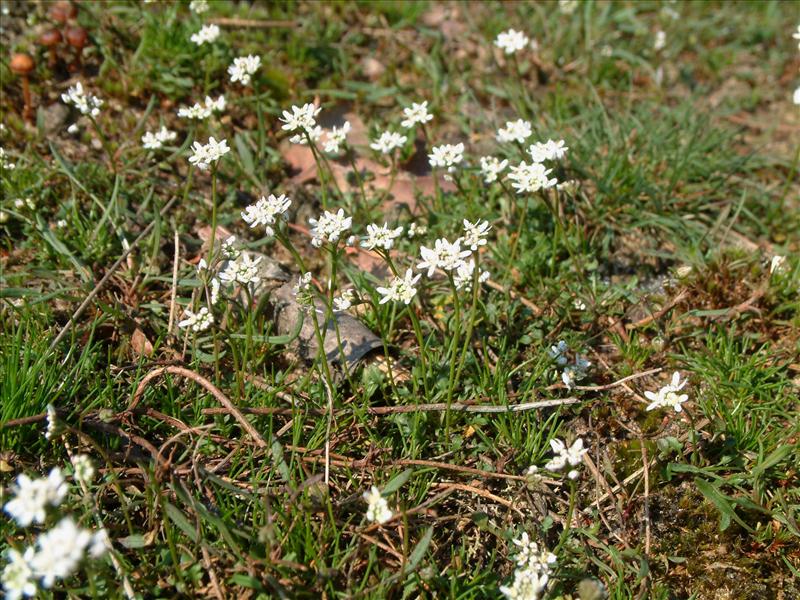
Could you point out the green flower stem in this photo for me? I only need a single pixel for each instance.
(472, 317)
(452, 353)
(573, 493)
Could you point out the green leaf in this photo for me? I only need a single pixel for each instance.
(723, 504)
(773, 459)
(419, 550)
(181, 521)
(397, 482)
(246, 581)
(244, 154)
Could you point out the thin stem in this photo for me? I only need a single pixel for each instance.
(451, 353)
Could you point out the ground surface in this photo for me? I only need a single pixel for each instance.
(685, 161)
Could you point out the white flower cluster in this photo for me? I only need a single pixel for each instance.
(563, 456)
(414, 114)
(208, 34)
(491, 167)
(203, 111)
(549, 150)
(514, 132)
(377, 507)
(668, 395)
(58, 551)
(154, 141)
(388, 141)
(266, 211)
(85, 102)
(243, 271)
(198, 6)
(572, 372)
(444, 255)
(207, 154)
(511, 41)
(329, 227)
(530, 177)
(336, 137)
(302, 118)
(534, 567)
(381, 236)
(401, 289)
(243, 68)
(197, 321)
(446, 156)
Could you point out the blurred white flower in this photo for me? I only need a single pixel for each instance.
(388, 141)
(529, 556)
(336, 137)
(446, 156)
(511, 41)
(243, 270)
(380, 236)
(475, 233)
(344, 301)
(86, 103)
(491, 167)
(265, 212)
(377, 507)
(559, 352)
(527, 585)
(207, 34)
(416, 113)
(199, 321)
(415, 230)
(243, 68)
(668, 395)
(206, 154)
(18, 577)
(796, 96)
(567, 7)
(84, 469)
(660, 40)
(100, 544)
(575, 372)
(329, 227)
(301, 118)
(154, 141)
(777, 264)
(314, 134)
(514, 131)
(32, 496)
(401, 289)
(530, 178)
(52, 422)
(198, 6)
(59, 551)
(564, 455)
(549, 150)
(462, 278)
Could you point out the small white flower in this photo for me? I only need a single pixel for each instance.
(463, 276)
(336, 137)
(84, 469)
(243, 68)
(207, 34)
(344, 301)
(266, 211)
(511, 41)
(304, 290)
(567, 7)
(32, 496)
(206, 154)
(197, 111)
(475, 233)
(446, 156)
(777, 264)
(660, 40)
(73, 129)
(491, 167)
(381, 236)
(416, 113)
(530, 178)
(796, 96)
(215, 285)
(530, 557)
(443, 255)
(315, 133)
(199, 321)
(154, 141)
(100, 543)
(59, 551)
(401, 289)
(549, 150)
(415, 230)
(559, 352)
(515, 131)
(217, 105)
(668, 395)
(575, 372)
(388, 141)
(301, 118)
(229, 249)
(86, 103)
(243, 270)
(52, 422)
(18, 577)
(4, 162)
(564, 456)
(527, 585)
(329, 227)
(377, 507)
(198, 6)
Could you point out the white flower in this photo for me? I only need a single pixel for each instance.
(84, 469)
(198, 6)
(100, 543)
(83, 101)
(575, 372)
(567, 7)
(377, 507)
(217, 105)
(199, 321)
(401, 289)
(229, 249)
(381, 236)
(563, 455)
(475, 233)
(796, 96)
(415, 230)
(462, 278)
(17, 576)
(315, 133)
(52, 422)
(59, 551)
(344, 301)
(530, 557)
(243, 68)
(31, 497)
(491, 168)
(198, 112)
(73, 129)
(549, 150)
(559, 352)
(530, 178)
(207, 34)
(336, 137)
(446, 156)
(301, 118)
(154, 141)
(511, 41)
(4, 162)
(329, 227)
(527, 585)
(514, 131)
(244, 271)
(214, 291)
(388, 141)
(443, 255)
(205, 155)
(777, 264)
(304, 291)
(668, 395)
(416, 113)
(660, 40)
(265, 211)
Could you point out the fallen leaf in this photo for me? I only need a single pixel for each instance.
(140, 345)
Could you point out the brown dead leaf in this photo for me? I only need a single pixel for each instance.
(140, 345)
